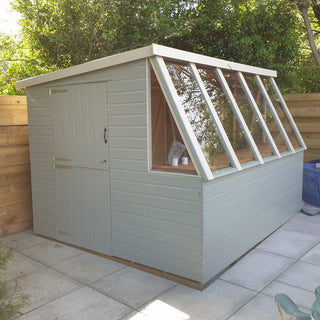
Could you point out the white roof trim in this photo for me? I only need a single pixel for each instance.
(141, 53)
(196, 58)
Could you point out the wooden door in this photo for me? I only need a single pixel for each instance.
(81, 165)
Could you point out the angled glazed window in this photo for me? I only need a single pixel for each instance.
(224, 120)
(281, 112)
(169, 152)
(266, 113)
(198, 115)
(227, 116)
(247, 111)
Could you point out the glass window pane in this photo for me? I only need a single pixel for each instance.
(226, 115)
(198, 115)
(167, 142)
(277, 104)
(266, 114)
(247, 112)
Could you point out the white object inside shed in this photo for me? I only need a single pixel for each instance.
(174, 160)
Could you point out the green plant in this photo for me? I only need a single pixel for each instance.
(11, 300)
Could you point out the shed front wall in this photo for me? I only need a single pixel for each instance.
(156, 217)
(242, 209)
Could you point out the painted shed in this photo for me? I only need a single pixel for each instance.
(166, 158)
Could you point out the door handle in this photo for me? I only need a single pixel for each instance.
(105, 136)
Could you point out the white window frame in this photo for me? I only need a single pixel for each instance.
(288, 114)
(180, 118)
(274, 113)
(258, 114)
(201, 165)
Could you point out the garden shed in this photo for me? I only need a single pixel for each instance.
(169, 159)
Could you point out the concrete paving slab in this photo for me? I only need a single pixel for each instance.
(133, 287)
(257, 269)
(83, 304)
(87, 267)
(51, 253)
(261, 307)
(289, 243)
(109, 290)
(302, 275)
(218, 301)
(313, 256)
(304, 223)
(18, 266)
(45, 286)
(137, 316)
(302, 298)
(23, 240)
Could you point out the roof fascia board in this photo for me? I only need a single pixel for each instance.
(90, 66)
(141, 53)
(196, 58)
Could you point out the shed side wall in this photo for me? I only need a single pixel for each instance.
(242, 209)
(156, 217)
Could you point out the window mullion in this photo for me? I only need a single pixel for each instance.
(215, 118)
(288, 114)
(180, 117)
(274, 113)
(239, 116)
(258, 114)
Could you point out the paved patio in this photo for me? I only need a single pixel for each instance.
(68, 284)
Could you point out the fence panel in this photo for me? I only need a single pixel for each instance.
(15, 182)
(305, 109)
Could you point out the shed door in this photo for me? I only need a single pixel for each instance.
(81, 165)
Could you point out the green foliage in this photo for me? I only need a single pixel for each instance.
(69, 32)
(263, 33)
(62, 33)
(11, 300)
(17, 61)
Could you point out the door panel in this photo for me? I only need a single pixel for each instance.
(82, 177)
(79, 124)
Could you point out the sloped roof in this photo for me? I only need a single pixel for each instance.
(141, 53)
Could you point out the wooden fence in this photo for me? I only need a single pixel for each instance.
(15, 185)
(305, 109)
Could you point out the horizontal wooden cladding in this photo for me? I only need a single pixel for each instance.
(156, 260)
(15, 181)
(15, 193)
(14, 174)
(264, 197)
(134, 84)
(312, 140)
(15, 217)
(306, 125)
(15, 155)
(13, 136)
(301, 98)
(15, 227)
(127, 97)
(176, 235)
(154, 244)
(13, 110)
(160, 214)
(305, 109)
(311, 154)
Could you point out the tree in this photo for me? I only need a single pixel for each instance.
(261, 33)
(17, 61)
(264, 33)
(304, 6)
(69, 32)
